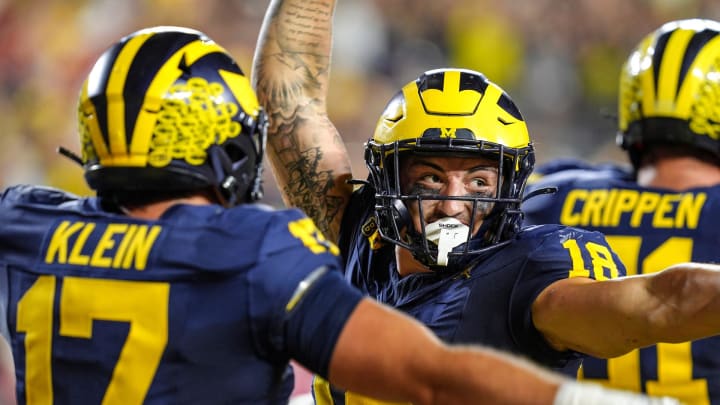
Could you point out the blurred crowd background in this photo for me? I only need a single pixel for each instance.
(558, 59)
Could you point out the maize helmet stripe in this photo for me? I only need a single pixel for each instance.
(114, 91)
(242, 90)
(668, 88)
(168, 109)
(704, 59)
(669, 70)
(452, 100)
(163, 56)
(166, 76)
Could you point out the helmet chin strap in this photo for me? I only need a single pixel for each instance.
(446, 233)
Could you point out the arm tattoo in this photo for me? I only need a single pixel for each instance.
(289, 80)
(309, 188)
(299, 40)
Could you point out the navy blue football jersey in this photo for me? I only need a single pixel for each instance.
(650, 229)
(488, 303)
(204, 306)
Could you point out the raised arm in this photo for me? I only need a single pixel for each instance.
(388, 355)
(290, 74)
(610, 318)
(406, 359)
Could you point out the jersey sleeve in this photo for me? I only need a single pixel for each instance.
(299, 300)
(567, 252)
(560, 253)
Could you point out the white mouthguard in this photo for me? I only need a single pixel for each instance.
(446, 233)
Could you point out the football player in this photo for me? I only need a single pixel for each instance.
(435, 229)
(662, 210)
(172, 287)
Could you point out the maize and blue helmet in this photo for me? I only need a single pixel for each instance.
(168, 109)
(450, 112)
(670, 89)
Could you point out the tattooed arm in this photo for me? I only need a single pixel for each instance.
(290, 74)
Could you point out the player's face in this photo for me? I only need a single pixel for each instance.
(448, 177)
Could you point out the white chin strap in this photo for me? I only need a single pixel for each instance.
(446, 233)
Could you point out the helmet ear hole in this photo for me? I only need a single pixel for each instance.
(236, 155)
(233, 167)
(222, 167)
